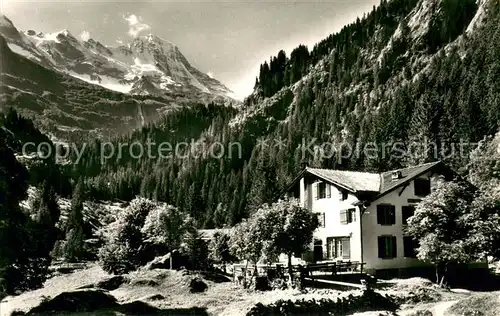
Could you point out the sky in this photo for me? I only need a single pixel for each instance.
(228, 39)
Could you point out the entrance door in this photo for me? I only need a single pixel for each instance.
(318, 250)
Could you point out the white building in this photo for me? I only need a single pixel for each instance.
(362, 215)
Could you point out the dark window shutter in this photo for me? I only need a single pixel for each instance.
(345, 195)
(407, 212)
(381, 247)
(380, 214)
(346, 248)
(406, 246)
(328, 190)
(409, 247)
(343, 217)
(392, 211)
(394, 247)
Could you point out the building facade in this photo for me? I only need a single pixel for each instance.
(362, 215)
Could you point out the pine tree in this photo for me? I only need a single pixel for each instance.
(47, 216)
(74, 246)
(197, 250)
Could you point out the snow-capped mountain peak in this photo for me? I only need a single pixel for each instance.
(148, 64)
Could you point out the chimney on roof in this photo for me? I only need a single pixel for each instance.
(396, 175)
(304, 164)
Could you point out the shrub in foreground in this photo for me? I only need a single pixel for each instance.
(145, 230)
(122, 250)
(368, 301)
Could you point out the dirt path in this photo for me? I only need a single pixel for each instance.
(441, 307)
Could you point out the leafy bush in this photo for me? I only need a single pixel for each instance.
(142, 231)
(218, 248)
(261, 284)
(281, 227)
(342, 306)
(422, 295)
(115, 258)
(122, 250)
(482, 304)
(279, 284)
(164, 229)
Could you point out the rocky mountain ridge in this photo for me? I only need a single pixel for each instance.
(74, 89)
(125, 68)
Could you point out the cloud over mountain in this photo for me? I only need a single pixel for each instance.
(85, 35)
(136, 26)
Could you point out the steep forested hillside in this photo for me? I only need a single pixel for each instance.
(410, 77)
(16, 131)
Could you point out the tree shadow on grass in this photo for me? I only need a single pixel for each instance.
(98, 302)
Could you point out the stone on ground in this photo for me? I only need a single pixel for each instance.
(76, 301)
(197, 285)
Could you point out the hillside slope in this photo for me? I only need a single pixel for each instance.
(412, 80)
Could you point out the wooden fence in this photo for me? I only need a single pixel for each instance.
(308, 270)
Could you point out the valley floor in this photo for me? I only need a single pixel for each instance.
(167, 289)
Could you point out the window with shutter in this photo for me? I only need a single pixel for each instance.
(315, 190)
(352, 215)
(407, 211)
(321, 190)
(338, 247)
(410, 246)
(347, 216)
(346, 248)
(422, 187)
(345, 195)
(387, 247)
(328, 191)
(343, 217)
(386, 214)
(321, 219)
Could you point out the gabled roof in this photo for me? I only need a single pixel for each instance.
(208, 234)
(387, 184)
(351, 180)
(377, 183)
